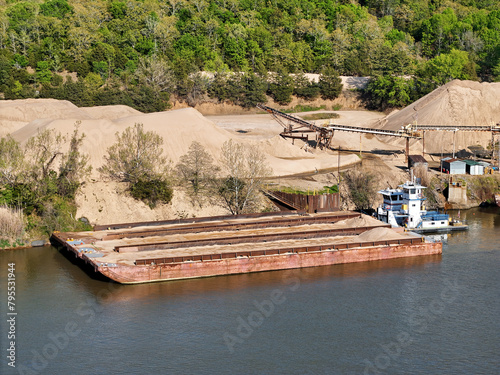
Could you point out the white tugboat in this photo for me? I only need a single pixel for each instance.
(404, 207)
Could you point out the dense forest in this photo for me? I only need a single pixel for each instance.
(140, 53)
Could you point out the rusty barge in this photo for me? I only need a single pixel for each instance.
(201, 247)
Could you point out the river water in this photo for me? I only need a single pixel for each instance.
(423, 315)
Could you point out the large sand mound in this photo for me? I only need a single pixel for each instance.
(110, 111)
(456, 103)
(179, 128)
(15, 114)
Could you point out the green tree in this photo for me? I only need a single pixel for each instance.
(43, 72)
(362, 189)
(330, 84)
(55, 8)
(218, 88)
(136, 155)
(156, 74)
(305, 88)
(74, 168)
(281, 87)
(11, 161)
(137, 158)
(448, 66)
(389, 91)
(253, 90)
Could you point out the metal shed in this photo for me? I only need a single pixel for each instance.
(416, 160)
(472, 167)
(453, 166)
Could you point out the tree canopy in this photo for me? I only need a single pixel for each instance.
(144, 51)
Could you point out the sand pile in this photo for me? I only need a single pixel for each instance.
(362, 221)
(179, 128)
(15, 114)
(456, 103)
(107, 203)
(110, 112)
(380, 234)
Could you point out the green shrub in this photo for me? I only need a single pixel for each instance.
(152, 192)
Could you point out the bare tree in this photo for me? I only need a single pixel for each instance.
(44, 153)
(155, 73)
(43, 150)
(74, 165)
(245, 171)
(11, 161)
(197, 170)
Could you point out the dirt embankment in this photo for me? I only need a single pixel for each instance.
(348, 100)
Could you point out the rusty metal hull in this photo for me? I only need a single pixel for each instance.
(161, 251)
(186, 270)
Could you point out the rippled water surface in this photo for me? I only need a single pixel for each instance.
(423, 315)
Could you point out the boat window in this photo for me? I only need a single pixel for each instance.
(433, 223)
(386, 197)
(413, 205)
(412, 191)
(442, 222)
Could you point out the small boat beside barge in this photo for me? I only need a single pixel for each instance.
(404, 207)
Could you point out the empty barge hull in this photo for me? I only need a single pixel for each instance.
(148, 252)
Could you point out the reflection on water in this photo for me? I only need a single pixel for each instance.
(332, 319)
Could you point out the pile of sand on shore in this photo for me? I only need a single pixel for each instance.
(15, 114)
(456, 103)
(178, 128)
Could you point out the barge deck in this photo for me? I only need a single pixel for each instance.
(202, 247)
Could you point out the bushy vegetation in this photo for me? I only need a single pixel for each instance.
(326, 190)
(320, 116)
(139, 53)
(152, 191)
(482, 188)
(40, 181)
(137, 159)
(362, 188)
(11, 223)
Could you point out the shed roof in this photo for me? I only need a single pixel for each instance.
(451, 160)
(417, 158)
(471, 162)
